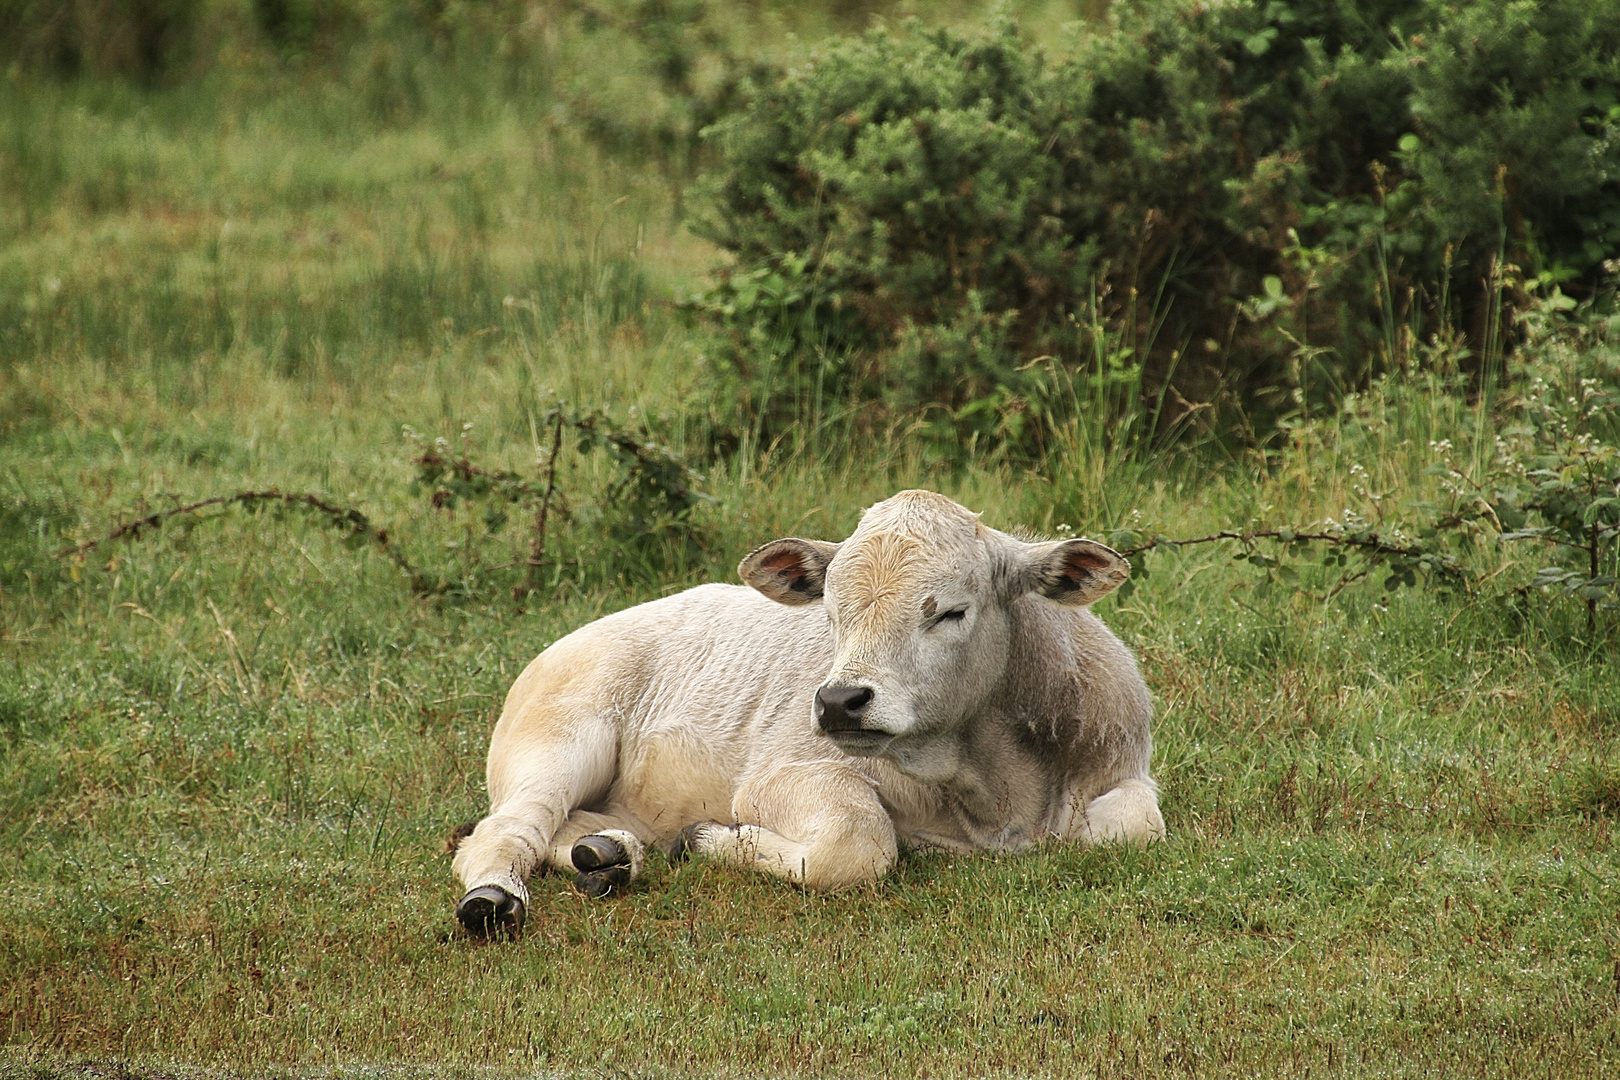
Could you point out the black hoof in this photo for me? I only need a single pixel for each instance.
(490, 910)
(684, 842)
(598, 884)
(598, 852)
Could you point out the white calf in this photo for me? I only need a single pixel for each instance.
(927, 682)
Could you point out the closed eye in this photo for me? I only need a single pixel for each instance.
(950, 617)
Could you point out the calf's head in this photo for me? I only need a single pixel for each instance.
(920, 602)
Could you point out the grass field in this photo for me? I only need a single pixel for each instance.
(230, 750)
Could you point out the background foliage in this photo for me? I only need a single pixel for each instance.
(1223, 188)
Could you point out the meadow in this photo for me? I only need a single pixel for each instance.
(231, 748)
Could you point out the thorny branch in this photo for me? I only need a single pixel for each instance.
(1371, 542)
(347, 518)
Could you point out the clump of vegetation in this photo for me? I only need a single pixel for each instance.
(1541, 464)
(644, 515)
(1223, 187)
(641, 522)
(1555, 475)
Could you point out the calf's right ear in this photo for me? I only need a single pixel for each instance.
(790, 571)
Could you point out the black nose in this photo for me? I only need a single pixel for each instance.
(840, 708)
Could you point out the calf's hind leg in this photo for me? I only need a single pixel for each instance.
(545, 759)
(604, 851)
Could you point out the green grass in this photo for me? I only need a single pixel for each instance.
(230, 752)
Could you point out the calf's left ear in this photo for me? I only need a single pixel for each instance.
(1074, 572)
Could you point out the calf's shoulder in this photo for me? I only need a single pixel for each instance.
(711, 642)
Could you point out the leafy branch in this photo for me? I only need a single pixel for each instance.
(1368, 541)
(654, 488)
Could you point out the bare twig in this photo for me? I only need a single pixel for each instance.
(537, 546)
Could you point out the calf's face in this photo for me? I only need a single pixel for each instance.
(919, 602)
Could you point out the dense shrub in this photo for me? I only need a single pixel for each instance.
(1225, 189)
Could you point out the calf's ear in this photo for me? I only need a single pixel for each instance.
(1074, 572)
(790, 571)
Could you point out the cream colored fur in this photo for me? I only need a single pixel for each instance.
(1019, 720)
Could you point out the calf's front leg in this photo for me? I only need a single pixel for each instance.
(603, 852)
(818, 825)
(1127, 813)
(546, 758)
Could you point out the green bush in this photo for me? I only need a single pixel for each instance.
(1247, 195)
(894, 187)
